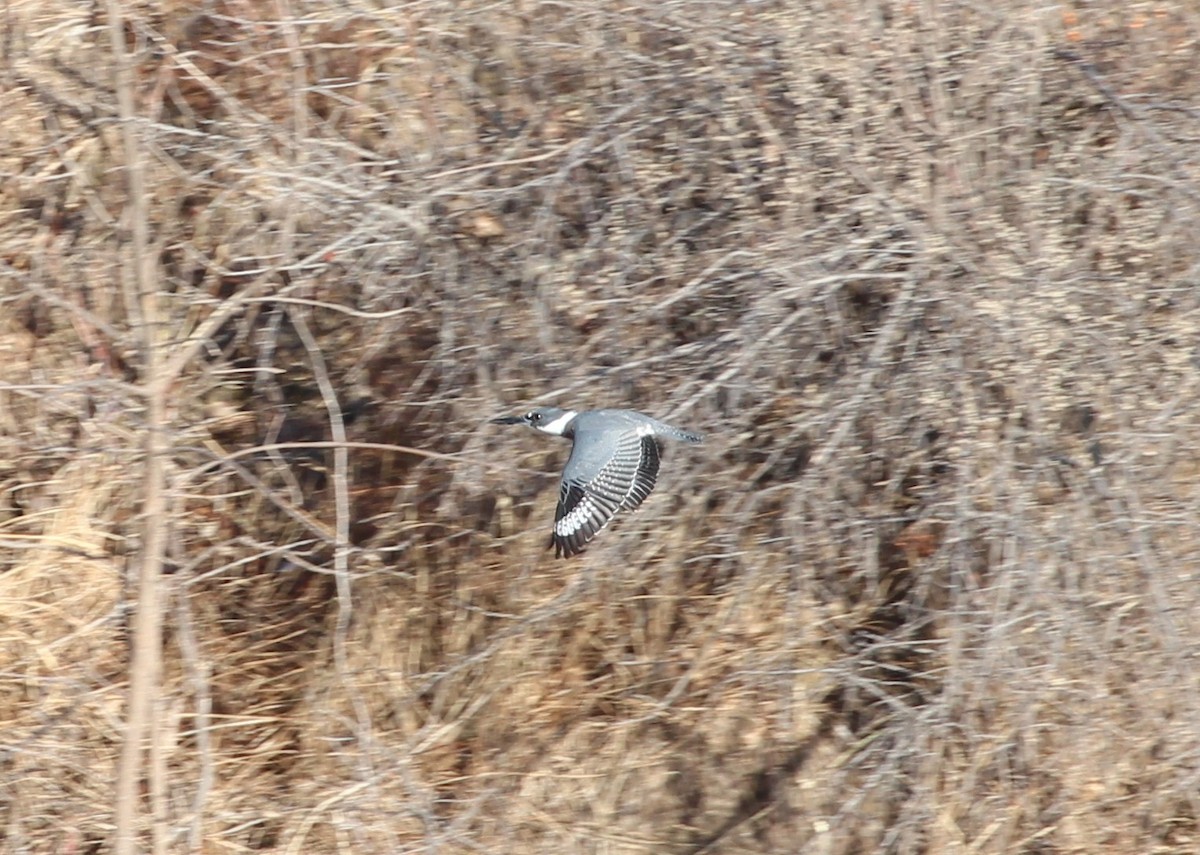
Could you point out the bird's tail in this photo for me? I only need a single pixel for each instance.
(672, 432)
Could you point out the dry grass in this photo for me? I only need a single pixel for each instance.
(923, 273)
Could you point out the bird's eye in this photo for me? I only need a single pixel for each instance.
(534, 417)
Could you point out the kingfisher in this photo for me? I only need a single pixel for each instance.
(613, 466)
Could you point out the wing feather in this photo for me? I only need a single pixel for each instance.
(593, 488)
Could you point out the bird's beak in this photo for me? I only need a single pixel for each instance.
(508, 420)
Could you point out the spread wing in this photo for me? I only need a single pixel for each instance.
(596, 485)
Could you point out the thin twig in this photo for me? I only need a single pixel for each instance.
(138, 272)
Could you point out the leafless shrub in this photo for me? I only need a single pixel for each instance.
(923, 275)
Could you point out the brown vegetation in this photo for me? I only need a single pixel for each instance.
(923, 273)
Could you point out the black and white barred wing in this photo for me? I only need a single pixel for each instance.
(599, 481)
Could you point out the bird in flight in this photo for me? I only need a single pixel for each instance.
(613, 466)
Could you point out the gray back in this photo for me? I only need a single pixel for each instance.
(601, 433)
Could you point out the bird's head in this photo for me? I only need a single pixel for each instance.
(551, 420)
